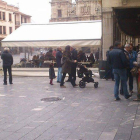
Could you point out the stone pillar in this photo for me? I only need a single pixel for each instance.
(107, 25)
(136, 41)
(123, 39)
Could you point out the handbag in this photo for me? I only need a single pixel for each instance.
(134, 71)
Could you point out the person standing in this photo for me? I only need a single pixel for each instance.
(91, 58)
(137, 64)
(74, 65)
(41, 60)
(132, 59)
(118, 61)
(54, 53)
(66, 66)
(7, 64)
(51, 73)
(126, 51)
(59, 65)
(97, 56)
(110, 71)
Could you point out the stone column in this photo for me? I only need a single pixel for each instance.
(107, 34)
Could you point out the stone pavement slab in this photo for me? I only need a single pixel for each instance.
(82, 114)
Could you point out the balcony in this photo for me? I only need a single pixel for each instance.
(17, 23)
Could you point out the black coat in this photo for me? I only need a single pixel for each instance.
(58, 59)
(74, 54)
(7, 58)
(74, 57)
(117, 59)
(91, 59)
(51, 73)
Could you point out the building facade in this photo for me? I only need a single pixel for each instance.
(80, 10)
(10, 19)
(121, 21)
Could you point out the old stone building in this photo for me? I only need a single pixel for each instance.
(10, 19)
(121, 21)
(80, 10)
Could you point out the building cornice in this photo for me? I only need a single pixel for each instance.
(58, 2)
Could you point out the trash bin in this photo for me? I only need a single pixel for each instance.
(103, 68)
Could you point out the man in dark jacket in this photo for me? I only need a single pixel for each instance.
(59, 65)
(110, 71)
(119, 64)
(97, 56)
(74, 65)
(7, 63)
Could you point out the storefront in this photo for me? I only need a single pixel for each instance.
(121, 21)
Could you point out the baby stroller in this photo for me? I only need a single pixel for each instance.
(86, 76)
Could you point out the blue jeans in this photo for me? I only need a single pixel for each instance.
(120, 74)
(59, 75)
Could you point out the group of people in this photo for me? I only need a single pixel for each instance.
(66, 63)
(39, 60)
(81, 57)
(122, 60)
(51, 55)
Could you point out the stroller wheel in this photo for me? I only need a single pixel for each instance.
(96, 85)
(82, 84)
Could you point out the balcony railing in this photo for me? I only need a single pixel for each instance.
(17, 23)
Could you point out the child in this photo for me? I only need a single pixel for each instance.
(85, 70)
(51, 73)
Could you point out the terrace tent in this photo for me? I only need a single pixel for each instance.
(77, 34)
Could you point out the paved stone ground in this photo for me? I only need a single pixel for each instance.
(82, 114)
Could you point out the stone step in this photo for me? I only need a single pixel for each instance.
(37, 72)
(42, 69)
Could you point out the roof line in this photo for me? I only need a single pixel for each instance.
(51, 40)
(54, 23)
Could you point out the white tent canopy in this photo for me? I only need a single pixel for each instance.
(78, 34)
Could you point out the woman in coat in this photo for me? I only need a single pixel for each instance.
(66, 66)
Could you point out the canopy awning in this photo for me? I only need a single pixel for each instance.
(78, 34)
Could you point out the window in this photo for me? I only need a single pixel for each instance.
(4, 30)
(10, 17)
(0, 15)
(15, 20)
(0, 29)
(10, 30)
(59, 13)
(3, 15)
(25, 20)
(85, 10)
